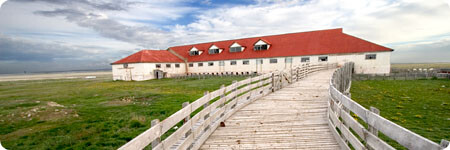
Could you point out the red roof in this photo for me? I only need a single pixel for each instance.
(320, 42)
(150, 56)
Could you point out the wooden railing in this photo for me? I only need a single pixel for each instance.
(340, 108)
(225, 102)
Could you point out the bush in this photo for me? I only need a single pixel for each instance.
(135, 124)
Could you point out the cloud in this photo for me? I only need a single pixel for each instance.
(1, 2)
(401, 24)
(379, 21)
(18, 54)
(116, 5)
(426, 52)
(23, 50)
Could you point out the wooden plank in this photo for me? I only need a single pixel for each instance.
(176, 136)
(199, 102)
(186, 143)
(346, 132)
(352, 123)
(403, 136)
(216, 93)
(338, 138)
(375, 142)
(143, 139)
(175, 118)
(353, 106)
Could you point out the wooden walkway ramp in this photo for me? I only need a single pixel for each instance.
(291, 118)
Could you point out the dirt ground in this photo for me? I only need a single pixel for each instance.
(70, 75)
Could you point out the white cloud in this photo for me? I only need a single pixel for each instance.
(126, 25)
(383, 22)
(1, 2)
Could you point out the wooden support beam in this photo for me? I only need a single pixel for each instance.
(157, 140)
(373, 130)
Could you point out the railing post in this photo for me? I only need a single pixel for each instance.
(307, 70)
(281, 80)
(273, 82)
(157, 140)
(297, 75)
(235, 96)
(207, 104)
(189, 116)
(373, 130)
(223, 94)
(444, 144)
(185, 104)
(292, 75)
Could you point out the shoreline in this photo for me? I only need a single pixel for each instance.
(60, 75)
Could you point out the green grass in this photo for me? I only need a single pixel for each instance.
(97, 114)
(420, 65)
(422, 106)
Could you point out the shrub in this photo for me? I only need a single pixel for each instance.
(135, 124)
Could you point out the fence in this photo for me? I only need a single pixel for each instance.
(228, 99)
(211, 75)
(339, 117)
(402, 76)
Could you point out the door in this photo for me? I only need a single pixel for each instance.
(221, 66)
(158, 74)
(127, 76)
(288, 63)
(259, 65)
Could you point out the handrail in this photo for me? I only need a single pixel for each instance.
(230, 99)
(340, 106)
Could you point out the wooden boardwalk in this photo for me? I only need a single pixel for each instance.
(291, 118)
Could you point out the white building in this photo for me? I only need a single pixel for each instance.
(256, 55)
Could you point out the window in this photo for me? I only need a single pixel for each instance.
(233, 62)
(200, 64)
(245, 62)
(323, 58)
(221, 63)
(210, 63)
(168, 65)
(214, 51)
(305, 59)
(177, 65)
(191, 65)
(273, 61)
(125, 65)
(288, 60)
(371, 56)
(260, 47)
(194, 53)
(235, 49)
(158, 65)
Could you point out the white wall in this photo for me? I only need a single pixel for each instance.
(144, 71)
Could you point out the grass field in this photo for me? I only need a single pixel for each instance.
(90, 114)
(420, 65)
(422, 106)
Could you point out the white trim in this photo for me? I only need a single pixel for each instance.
(261, 42)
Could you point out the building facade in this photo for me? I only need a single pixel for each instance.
(256, 55)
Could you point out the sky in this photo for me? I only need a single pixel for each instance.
(58, 35)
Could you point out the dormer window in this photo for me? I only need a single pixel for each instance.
(236, 48)
(214, 50)
(261, 45)
(194, 52)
